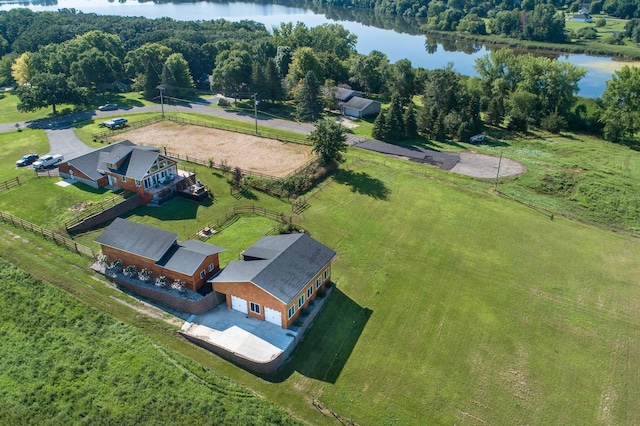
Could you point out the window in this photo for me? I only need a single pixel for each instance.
(292, 310)
(310, 291)
(318, 282)
(202, 273)
(137, 182)
(301, 301)
(211, 267)
(124, 178)
(255, 308)
(326, 273)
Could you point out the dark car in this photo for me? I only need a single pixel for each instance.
(108, 107)
(26, 160)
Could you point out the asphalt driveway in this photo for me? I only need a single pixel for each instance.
(66, 143)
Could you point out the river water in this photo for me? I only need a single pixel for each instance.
(397, 37)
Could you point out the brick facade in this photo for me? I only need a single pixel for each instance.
(193, 282)
(252, 293)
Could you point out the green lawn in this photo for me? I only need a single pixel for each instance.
(452, 304)
(481, 308)
(242, 233)
(44, 203)
(9, 101)
(186, 217)
(16, 144)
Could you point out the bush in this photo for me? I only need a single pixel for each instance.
(553, 123)
(601, 22)
(223, 102)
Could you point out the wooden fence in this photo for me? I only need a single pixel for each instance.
(292, 139)
(98, 208)
(59, 239)
(11, 183)
(232, 214)
(102, 136)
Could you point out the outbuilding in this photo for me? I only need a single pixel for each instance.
(277, 277)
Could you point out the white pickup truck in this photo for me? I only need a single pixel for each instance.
(47, 161)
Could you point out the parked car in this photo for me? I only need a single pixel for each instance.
(114, 124)
(108, 107)
(47, 161)
(26, 160)
(477, 138)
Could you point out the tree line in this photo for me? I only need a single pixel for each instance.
(298, 64)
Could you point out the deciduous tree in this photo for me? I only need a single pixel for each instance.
(328, 140)
(621, 104)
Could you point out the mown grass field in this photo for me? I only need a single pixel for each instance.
(10, 114)
(482, 310)
(14, 146)
(68, 364)
(452, 304)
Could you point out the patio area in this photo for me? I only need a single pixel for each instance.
(232, 331)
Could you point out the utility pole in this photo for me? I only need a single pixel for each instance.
(255, 109)
(161, 88)
(495, 185)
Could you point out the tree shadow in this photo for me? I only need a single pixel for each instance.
(363, 183)
(329, 342)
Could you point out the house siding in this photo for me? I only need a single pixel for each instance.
(192, 282)
(252, 293)
(65, 170)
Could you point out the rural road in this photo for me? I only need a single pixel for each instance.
(63, 140)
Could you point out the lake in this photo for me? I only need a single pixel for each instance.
(397, 37)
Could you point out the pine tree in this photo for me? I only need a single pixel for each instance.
(395, 121)
(379, 131)
(308, 98)
(410, 122)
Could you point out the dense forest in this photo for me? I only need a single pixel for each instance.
(63, 57)
(625, 9)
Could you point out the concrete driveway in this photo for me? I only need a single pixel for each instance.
(237, 333)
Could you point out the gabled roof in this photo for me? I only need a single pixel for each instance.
(344, 94)
(582, 15)
(281, 265)
(138, 239)
(137, 163)
(359, 104)
(188, 256)
(89, 163)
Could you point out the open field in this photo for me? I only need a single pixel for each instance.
(248, 152)
(70, 364)
(482, 310)
(452, 305)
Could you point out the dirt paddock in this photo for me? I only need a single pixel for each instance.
(248, 152)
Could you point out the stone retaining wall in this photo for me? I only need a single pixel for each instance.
(111, 213)
(164, 298)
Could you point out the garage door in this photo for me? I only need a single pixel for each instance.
(239, 304)
(273, 316)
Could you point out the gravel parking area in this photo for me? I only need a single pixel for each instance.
(486, 166)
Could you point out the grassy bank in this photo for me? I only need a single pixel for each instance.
(68, 363)
(630, 52)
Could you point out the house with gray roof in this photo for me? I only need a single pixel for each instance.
(140, 169)
(359, 107)
(192, 262)
(277, 277)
